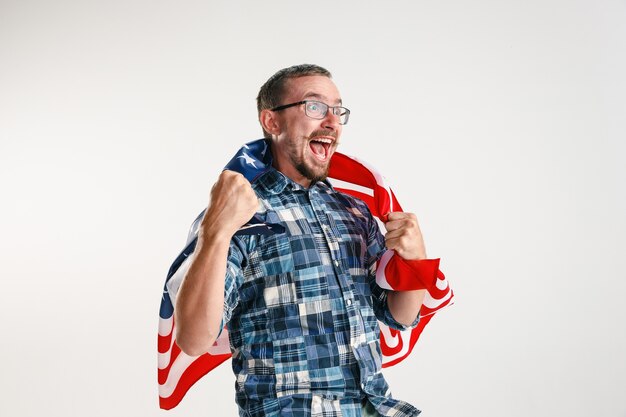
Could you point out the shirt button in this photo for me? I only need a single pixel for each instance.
(336, 262)
(349, 302)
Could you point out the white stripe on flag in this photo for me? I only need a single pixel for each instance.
(221, 345)
(179, 366)
(165, 326)
(350, 186)
(381, 277)
(433, 303)
(164, 358)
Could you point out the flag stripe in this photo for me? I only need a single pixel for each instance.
(339, 184)
(198, 368)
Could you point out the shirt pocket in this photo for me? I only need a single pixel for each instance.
(351, 238)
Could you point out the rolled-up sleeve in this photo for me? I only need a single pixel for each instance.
(233, 279)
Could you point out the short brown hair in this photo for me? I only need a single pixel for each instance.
(272, 91)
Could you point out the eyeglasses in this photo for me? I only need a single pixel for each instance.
(318, 110)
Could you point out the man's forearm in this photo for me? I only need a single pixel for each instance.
(405, 305)
(199, 305)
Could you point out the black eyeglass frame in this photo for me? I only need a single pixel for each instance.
(347, 111)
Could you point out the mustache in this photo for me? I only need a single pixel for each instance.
(323, 132)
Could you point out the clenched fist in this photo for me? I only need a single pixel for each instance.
(231, 205)
(404, 235)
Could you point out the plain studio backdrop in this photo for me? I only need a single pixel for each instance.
(499, 123)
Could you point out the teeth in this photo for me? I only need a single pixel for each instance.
(328, 141)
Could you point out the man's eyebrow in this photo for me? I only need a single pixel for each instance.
(319, 97)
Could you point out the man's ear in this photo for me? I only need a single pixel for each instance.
(269, 122)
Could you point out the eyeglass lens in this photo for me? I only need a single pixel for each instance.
(318, 110)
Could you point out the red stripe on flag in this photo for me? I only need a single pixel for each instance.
(165, 342)
(199, 368)
(165, 372)
(407, 275)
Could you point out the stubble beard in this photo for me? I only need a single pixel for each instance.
(308, 172)
(315, 173)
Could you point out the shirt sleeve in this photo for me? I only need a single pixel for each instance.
(233, 279)
(375, 249)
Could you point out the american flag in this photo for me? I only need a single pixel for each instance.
(178, 372)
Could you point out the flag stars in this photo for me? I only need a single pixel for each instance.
(248, 159)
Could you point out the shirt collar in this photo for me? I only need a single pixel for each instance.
(275, 182)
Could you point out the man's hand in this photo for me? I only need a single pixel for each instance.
(232, 204)
(404, 235)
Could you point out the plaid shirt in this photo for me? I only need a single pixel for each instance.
(302, 307)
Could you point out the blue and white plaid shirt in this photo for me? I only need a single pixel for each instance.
(302, 307)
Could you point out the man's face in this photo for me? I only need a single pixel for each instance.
(303, 147)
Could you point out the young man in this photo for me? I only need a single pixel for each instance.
(302, 306)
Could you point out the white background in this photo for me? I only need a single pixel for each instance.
(500, 123)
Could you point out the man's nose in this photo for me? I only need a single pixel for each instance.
(331, 120)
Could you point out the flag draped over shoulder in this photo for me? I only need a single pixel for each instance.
(178, 372)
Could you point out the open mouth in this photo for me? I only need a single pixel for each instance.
(321, 148)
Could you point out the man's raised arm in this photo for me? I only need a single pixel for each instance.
(199, 306)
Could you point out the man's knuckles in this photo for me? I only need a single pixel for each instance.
(234, 182)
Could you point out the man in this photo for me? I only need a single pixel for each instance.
(300, 306)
